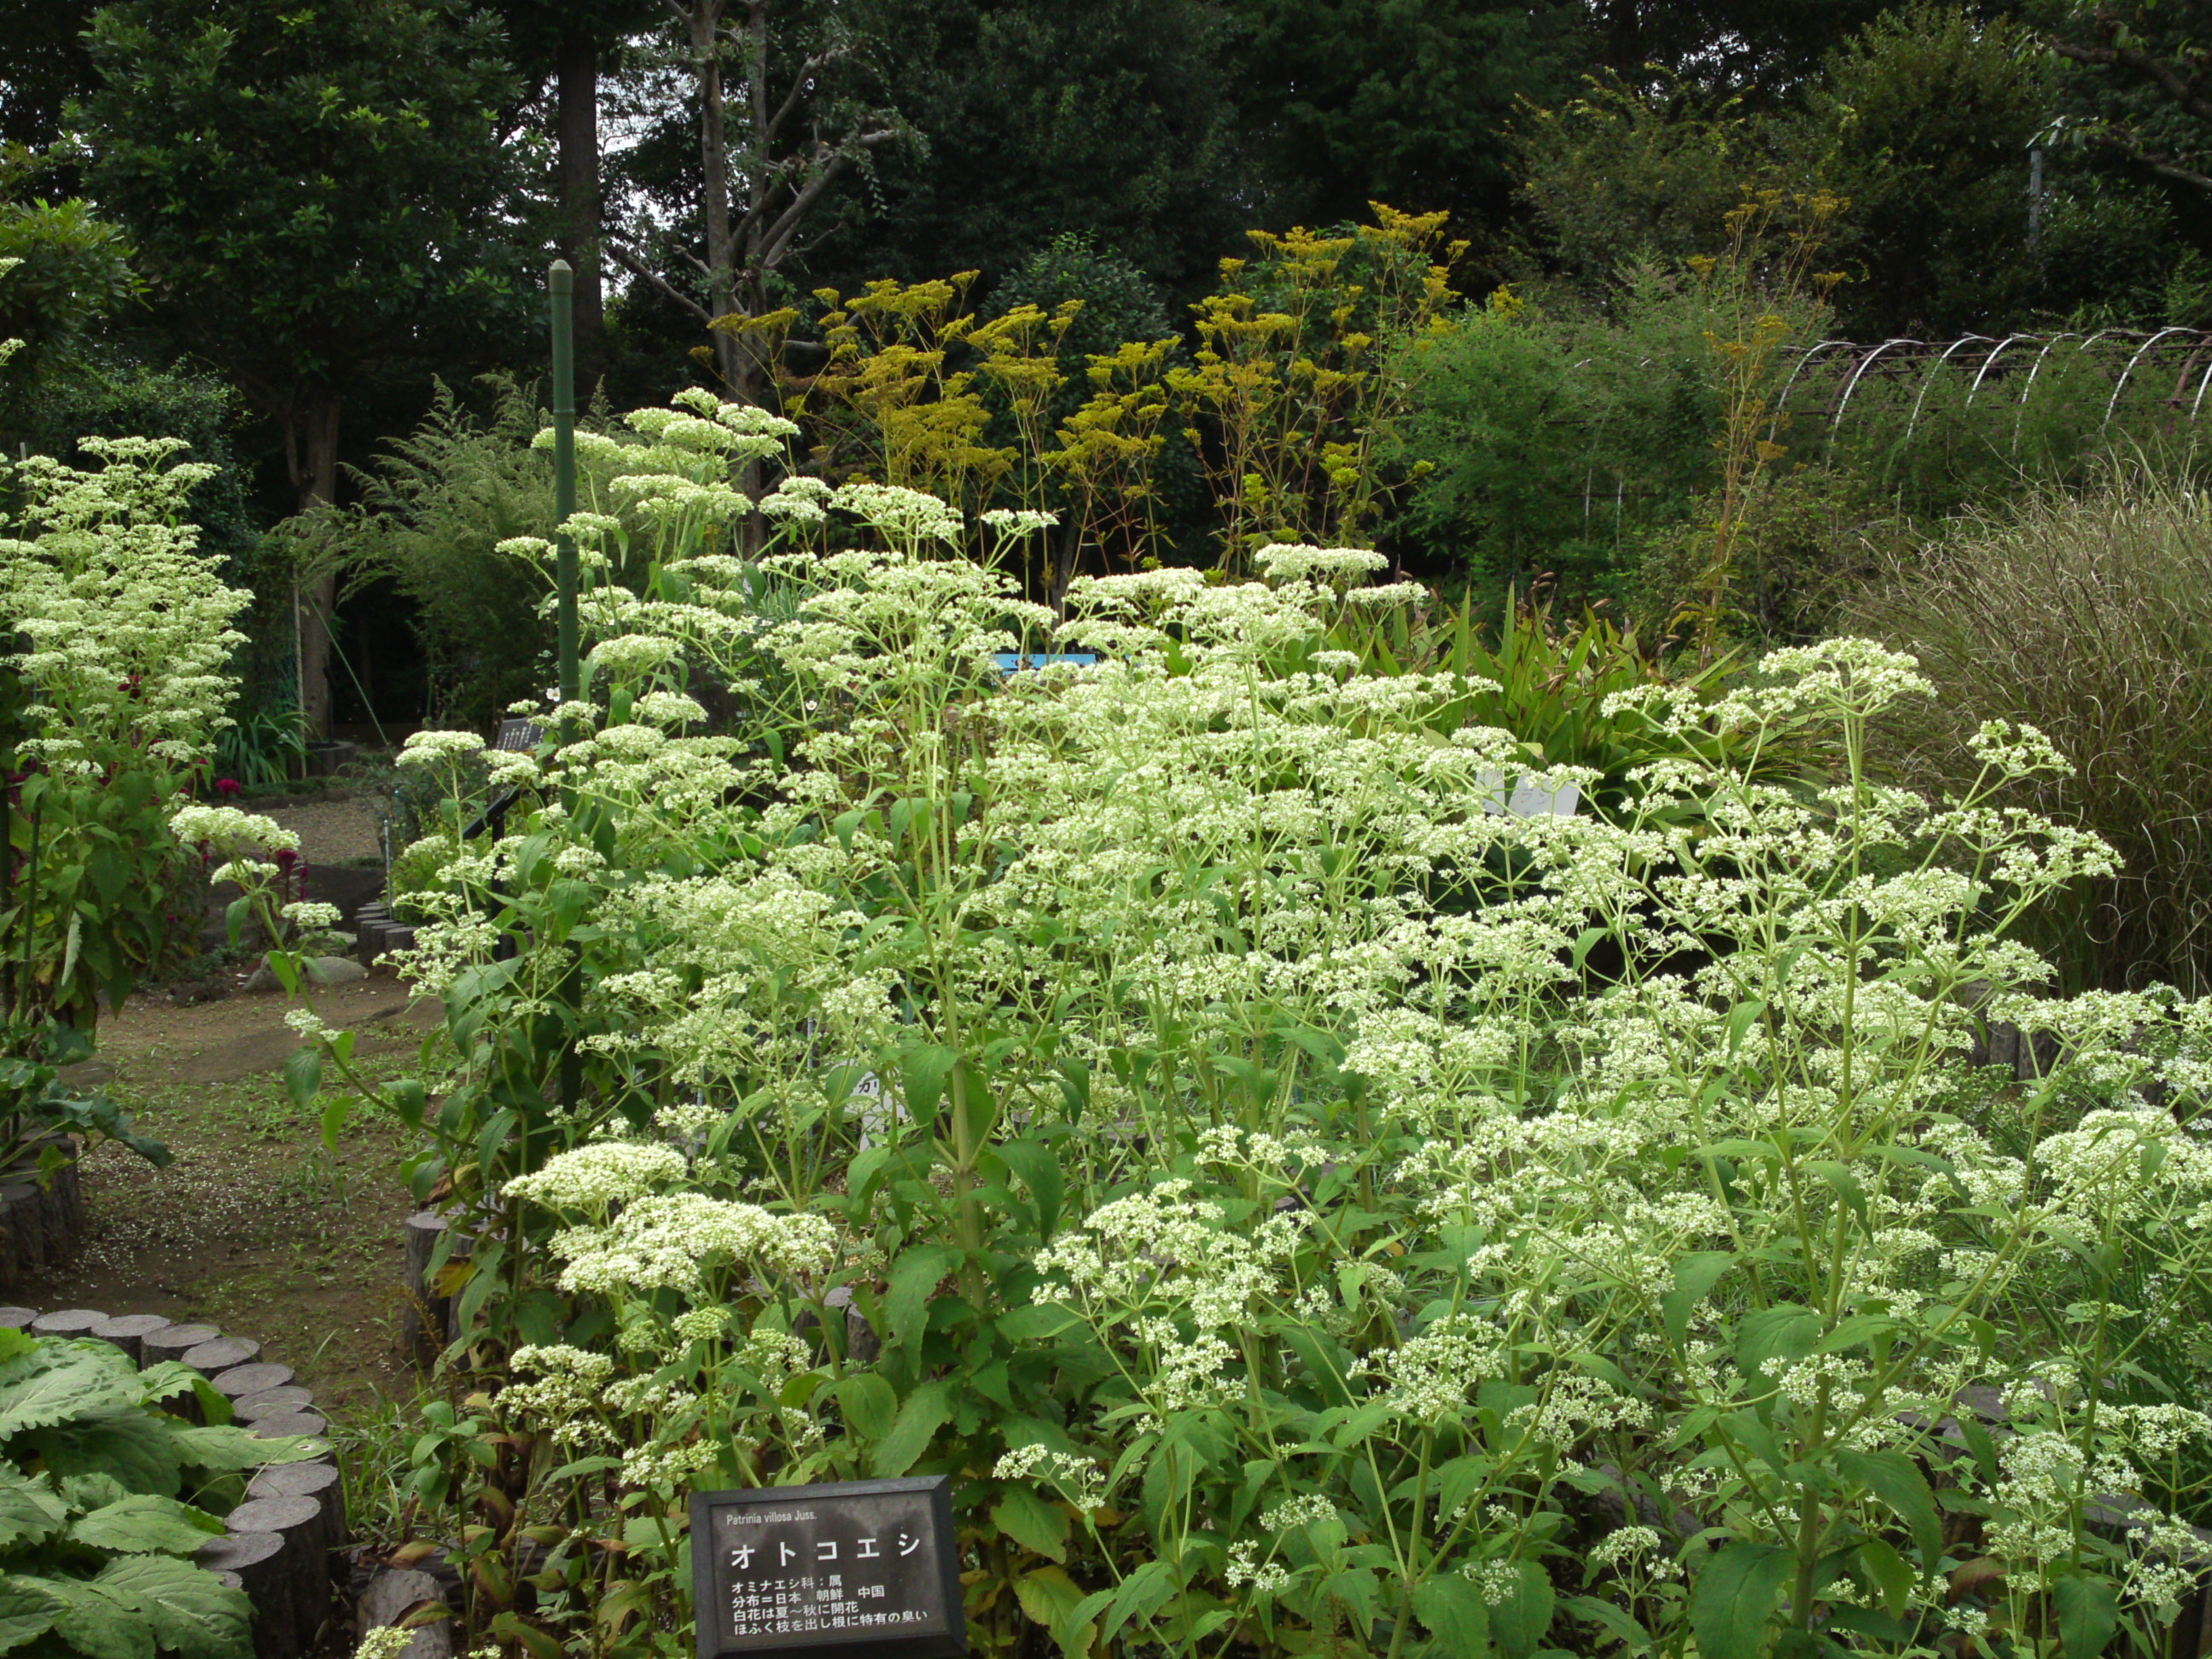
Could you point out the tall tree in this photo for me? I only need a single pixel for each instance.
(561, 48)
(785, 96)
(1113, 119)
(2142, 92)
(1405, 101)
(319, 198)
(42, 66)
(1761, 51)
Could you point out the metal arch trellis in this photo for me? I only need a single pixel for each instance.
(2121, 385)
(1990, 363)
(2123, 358)
(1852, 386)
(1781, 398)
(1928, 380)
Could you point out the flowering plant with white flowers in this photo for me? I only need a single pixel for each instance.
(1304, 1207)
(117, 632)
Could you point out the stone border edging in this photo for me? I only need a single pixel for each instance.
(280, 1544)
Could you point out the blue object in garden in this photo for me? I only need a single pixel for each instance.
(1015, 662)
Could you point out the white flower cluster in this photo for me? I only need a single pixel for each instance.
(672, 1241)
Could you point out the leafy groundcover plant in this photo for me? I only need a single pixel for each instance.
(1305, 1210)
(104, 1498)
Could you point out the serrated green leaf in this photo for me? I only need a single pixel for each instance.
(914, 1276)
(2089, 1613)
(869, 1403)
(28, 1611)
(1734, 1597)
(135, 1446)
(142, 1523)
(99, 1626)
(927, 1410)
(1051, 1598)
(1034, 1163)
(1897, 1482)
(1454, 1614)
(224, 1449)
(75, 1387)
(1891, 1573)
(192, 1612)
(1030, 1519)
(1518, 1622)
(1138, 1597)
(1038, 1322)
(1695, 1275)
(28, 1512)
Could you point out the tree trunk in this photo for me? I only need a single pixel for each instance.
(311, 452)
(715, 160)
(579, 133)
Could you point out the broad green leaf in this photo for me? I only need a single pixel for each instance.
(1896, 1481)
(1619, 1621)
(1734, 1597)
(76, 1385)
(1785, 1332)
(914, 1276)
(869, 1403)
(144, 1522)
(28, 1512)
(303, 1076)
(1038, 1322)
(1695, 1275)
(1138, 1597)
(2089, 1613)
(1034, 1163)
(98, 1626)
(192, 1611)
(1518, 1622)
(135, 1446)
(927, 1410)
(1890, 1571)
(1453, 1610)
(1050, 1598)
(1844, 1185)
(1033, 1521)
(91, 1491)
(221, 1448)
(27, 1610)
(922, 1073)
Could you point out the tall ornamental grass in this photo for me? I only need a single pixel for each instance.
(1304, 1210)
(2090, 617)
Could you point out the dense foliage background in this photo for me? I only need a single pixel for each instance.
(299, 235)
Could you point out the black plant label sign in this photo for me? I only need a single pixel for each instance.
(785, 1569)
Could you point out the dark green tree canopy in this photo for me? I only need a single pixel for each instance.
(1404, 101)
(1039, 117)
(318, 192)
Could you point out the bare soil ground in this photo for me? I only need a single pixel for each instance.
(255, 1227)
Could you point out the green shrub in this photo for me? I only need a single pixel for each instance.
(105, 1497)
(2089, 618)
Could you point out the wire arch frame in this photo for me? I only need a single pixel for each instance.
(1852, 386)
(1781, 398)
(1989, 362)
(2019, 410)
(1936, 372)
(2121, 385)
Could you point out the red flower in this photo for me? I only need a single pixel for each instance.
(226, 785)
